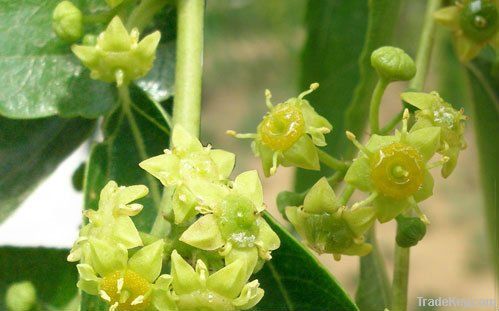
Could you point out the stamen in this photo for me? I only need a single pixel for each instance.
(438, 163)
(268, 97)
(241, 136)
(119, 76)
(353, 139)
(365, 202)
(138, 300)
(114, 306)
(314, 86)
(119, 285)
(405, 119)
(104, 296)
(421, 215)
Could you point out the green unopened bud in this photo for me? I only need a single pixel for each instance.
(67, 21)
(393, 64)
(21, 296)
(410, 231)
(479, 20)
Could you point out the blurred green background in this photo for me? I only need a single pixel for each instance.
(252, 45)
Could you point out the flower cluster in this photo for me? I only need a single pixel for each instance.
(214, 214)
(394, 170)
(289, 133)
(475, 23)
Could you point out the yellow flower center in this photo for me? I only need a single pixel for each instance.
(282, 127)
(397, 170)
(125, 289)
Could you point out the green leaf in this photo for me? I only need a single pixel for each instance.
(335, 38)
(30, 150)
(52, 276)
(485, 104)
(373, 292)
(118, 156)
(295, 280)
(40, 76)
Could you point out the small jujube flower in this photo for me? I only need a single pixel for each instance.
(226, 289)
(394, 169)
(329, 227)
(288, 134)
(434, 111)
(118, 56)
(67, 21)
(184, 165)
(21, 296)
(234, 225)
(393, 64)
(475, 23)
(111, 222)
(126, 284)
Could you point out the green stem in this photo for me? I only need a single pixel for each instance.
(126, 101)
(400, 278)
(143, 14)
(402, 255)
(425, 46)
(346, 194)
(188, 74)
(375, 103)
(188, 71)
(331, 161)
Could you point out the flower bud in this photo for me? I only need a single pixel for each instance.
(67, 21)
(21, 296)
(393, 64)
(410, 231)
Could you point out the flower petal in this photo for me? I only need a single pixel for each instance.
(204, 234)
(250, 296)
(425, 140)
(302, 154)
(248, 184)
(185, 279)
(148, 261)
(359, 174)
(448, 16)
(125, 232)
(320, 198)
(229, 280)
(419, 100)
(163, 167)
(106, 257)
(224, 161)
(389, 208)
(426, 189)
(183, 142)
(360, 219)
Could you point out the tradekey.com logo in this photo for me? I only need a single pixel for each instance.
(457, 302)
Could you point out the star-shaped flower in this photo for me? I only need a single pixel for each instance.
(475, 23)
(112, 220)
(118, 55)
(288, 134)
(185, 165)
(394, 169)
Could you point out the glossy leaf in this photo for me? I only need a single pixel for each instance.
(40, 76)
(485, 103)
(336, 31)
(30, 150)
(117, 158)
(52, 276)
(295, 280)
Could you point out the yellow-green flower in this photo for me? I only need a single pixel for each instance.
(288, 134)
(475, 23)
(234, 225)
(434, 111)
(328, 227)
(126, 284)
(227, 289)
(111, 222)
(395, 170)
(186, 164)
(118, 56)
